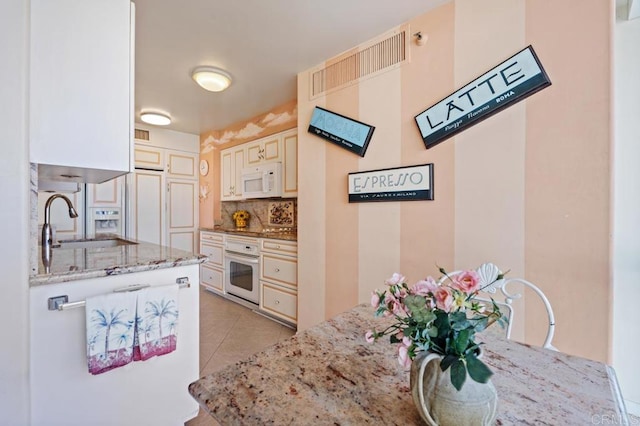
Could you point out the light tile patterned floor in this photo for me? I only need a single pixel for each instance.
(228, 333)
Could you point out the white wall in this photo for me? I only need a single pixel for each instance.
(626, 211)
(14, 216)
(170, 139)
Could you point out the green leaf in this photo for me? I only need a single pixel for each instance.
(447, 361)
(458, 374)
(462, 340)
(478, 370)
(418, 308)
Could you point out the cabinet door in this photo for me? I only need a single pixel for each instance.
(182, 165)
(212, 278)
(254, 153)
(238, 163)
(279, 301)
(147, 206)
(290, 167)
(107, 194)
(263, 150)
(149, 157)
(182, 217)
(227, 177)
(80, 95)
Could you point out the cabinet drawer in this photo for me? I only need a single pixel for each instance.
(289, 248)
(211, 277)
(280, 302)
(214, 251)
(211, 237)
(280, 269)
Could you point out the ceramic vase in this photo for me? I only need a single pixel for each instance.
(438, 401)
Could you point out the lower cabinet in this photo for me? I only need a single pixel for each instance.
(212, 271)
(279, 279)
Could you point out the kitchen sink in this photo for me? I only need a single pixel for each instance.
(92, 243)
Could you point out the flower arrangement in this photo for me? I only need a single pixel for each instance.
(439, 316)
(241, 217)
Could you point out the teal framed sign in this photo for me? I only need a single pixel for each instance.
(345, 132)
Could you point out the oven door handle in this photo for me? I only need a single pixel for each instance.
(241, 258)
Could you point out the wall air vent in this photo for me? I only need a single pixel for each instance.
(142, 135)
(379, 55)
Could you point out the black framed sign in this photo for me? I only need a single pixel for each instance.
(396, 184)
(348, 133)
(513, 80)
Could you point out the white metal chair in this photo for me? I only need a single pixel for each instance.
(489, 283)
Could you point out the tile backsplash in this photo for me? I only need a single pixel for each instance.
(259, 211)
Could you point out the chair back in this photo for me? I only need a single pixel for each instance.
(491, 283)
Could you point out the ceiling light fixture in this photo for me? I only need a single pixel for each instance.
(211, 78)
(155, 118)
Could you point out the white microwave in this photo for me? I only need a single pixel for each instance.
(262, 181)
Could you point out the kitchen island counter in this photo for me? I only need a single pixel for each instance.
(71, 264)
(329, 374)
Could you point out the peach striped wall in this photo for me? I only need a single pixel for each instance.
(527, 188)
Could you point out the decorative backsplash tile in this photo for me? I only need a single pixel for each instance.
(285, 211)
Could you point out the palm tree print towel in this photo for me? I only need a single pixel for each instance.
(110, 331)
(135, 326)
(156, 321)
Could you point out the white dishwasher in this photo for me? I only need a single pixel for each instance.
(151, 392)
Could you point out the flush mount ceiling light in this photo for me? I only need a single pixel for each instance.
(211, 78)
(155, 118)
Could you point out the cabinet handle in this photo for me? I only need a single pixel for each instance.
(277, 246)
(276, 269)
(277, 302)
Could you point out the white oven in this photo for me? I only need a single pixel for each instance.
(242, 269)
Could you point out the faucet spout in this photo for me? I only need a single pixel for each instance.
(47, 237)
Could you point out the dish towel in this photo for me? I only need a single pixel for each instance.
(110, 324)
(156, 321)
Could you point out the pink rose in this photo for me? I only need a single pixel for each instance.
(424, 287)
(444, 299)
(403, 356)
(369, 337)
(468, 282)
(375, 299)
(393, 305)
(395, 279)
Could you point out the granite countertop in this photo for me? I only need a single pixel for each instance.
(328, 374)
(255, 233)
(69, 264)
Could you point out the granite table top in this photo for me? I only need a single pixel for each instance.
(70, 264)
(255, 233)
(329, 374)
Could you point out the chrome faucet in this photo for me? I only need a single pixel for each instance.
(47, 238)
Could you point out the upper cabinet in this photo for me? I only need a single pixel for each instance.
(281, 147)
(232, 162)
(263, 150)
(81, 88)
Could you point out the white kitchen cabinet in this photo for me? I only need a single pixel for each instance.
(81, 92)
(263, 150)
(148, 157)
(279, 279)
(164, 197)
(232, 162)
(182, 214)
(290, 163)
(212, 271)
(147, 204)
(182, 165)
(106, 194)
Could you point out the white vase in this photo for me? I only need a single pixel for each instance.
(438, 401)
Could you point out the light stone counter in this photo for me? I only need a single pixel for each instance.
(255, 233)
(80, 264)
(329, 375)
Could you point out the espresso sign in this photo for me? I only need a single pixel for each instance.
(397, 184)
(513, 80)
(343, 131)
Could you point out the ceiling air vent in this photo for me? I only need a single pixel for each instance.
(372, 58)
(142, 135)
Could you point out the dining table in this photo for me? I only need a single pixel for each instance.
(329, 374)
